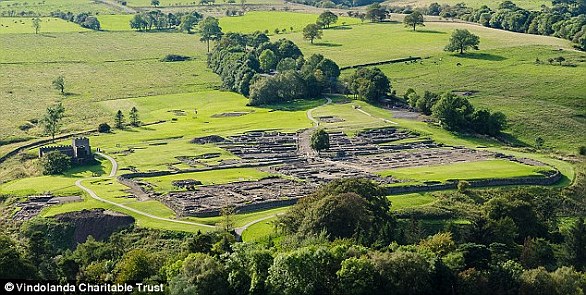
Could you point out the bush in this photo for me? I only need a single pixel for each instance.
(582, 150)
(174, 57)
(104, 128)
(55, 162)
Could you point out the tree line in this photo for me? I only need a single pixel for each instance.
(343, 239)
(565, 19)
(159, 21)
(456, 113)
(84, 19)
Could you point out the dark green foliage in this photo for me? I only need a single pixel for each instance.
(303, 271)
(119, 120)
(357, 276)
(210, 30)
(159, 21)
(320, 140)
(369, 84)
(376, 13)
(104, 128)
(134, 119)
(55, 162)
(135, 266)
(414, 19)
(279, 88)
(174, 57)
(575, 245)
(452, 111)
(200, 274)
(312, 32)
(402, 272)
(327, 18)
(52, 119)
(12, 263)
(83, 19)
(462, 40)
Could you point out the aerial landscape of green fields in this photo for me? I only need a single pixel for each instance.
(293, 147)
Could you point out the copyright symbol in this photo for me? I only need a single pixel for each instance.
(9, 287)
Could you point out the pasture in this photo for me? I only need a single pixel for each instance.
(465, 170)
(269, 21)
(24, 25)
(45, 7)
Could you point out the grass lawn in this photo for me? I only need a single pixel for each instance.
(195, 4)
(465, 170)
(20, 25)
(410, 200)
(164, 183)
(115, 22)
(271, 20)
(63, 185)
(259, 231)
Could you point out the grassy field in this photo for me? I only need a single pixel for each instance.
(164, 183)
(370, 42)
(22, 25)
(45, 7)
(195, 4)
(410, 200)
(539, 99)
(527, 4)
(466, 170)
(63, 185)
(115, 22)
(92, 64)
(260, 231)
(264, 20)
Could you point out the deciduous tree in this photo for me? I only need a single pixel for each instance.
(311, 32)
(414, 19)
(461, 40)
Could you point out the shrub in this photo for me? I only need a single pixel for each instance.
(104, 128)
(55, 162)
(174, 57)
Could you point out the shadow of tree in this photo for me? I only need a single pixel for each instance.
(481, 56)
(324, 44)
(430, 31)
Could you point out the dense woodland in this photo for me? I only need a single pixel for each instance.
(343, 239)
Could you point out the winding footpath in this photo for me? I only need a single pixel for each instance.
(113, 172)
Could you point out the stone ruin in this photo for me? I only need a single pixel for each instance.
(279, 153)
(35, 204)
(79, 151)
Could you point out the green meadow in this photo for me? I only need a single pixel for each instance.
(269, 21)
(465, 170)
(24, 25)
(47, 6)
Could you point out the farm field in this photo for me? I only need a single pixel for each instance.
(47, 6)
(263, 20)
(195, 4)
(22, 25)
(115, 22)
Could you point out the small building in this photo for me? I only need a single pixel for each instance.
(79, 151)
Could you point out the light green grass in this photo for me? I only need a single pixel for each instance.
(44, 7)
(384, 41)
(54, 184)
(527, 4)
(410, 200)
(19, 25)
(271, 20)
(97, 66)
(259, 231)
(119, 22)
(164, 183)
(466, 170)
(538, 99)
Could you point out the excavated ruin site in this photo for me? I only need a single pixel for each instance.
(299, 170)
